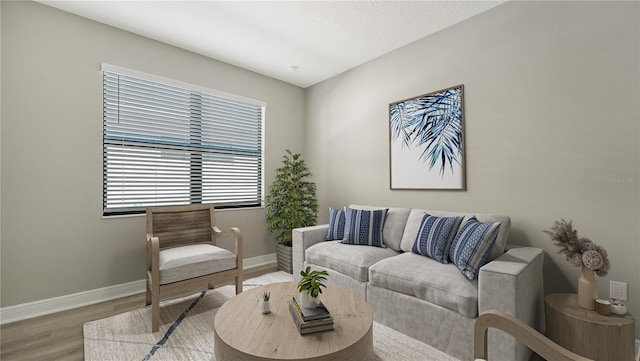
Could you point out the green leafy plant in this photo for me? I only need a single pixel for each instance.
(292, 201)
(312, 282)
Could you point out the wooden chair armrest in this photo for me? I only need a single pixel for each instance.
(153, 243)
(522, 332)
(233, 231)
(151, 239)
(237, 234)
(153, 257)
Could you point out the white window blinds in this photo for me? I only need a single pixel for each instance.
(170, 145)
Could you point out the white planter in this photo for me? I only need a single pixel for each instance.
(307, 301)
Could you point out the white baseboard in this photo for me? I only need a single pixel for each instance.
(75, 300)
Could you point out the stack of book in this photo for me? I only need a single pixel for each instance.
(310, 320)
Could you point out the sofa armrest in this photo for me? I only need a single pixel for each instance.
(513, 283)
(304, 238)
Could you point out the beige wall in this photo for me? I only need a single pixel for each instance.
(54, 239)
(552, 125)
(551, 120)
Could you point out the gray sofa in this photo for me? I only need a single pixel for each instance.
(425, 299)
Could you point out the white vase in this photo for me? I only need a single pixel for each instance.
(307, 301)
(587, 289)
(266, 307)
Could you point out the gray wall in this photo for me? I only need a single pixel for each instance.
(552, 127)
(551, 120)
(54, 239)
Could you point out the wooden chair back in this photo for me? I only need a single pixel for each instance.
(181, 225)
(522, 332)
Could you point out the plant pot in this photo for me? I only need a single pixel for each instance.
(587, 289)
(284, 258)
(266, 307)
(307, 301)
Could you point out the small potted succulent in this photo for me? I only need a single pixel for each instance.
(310, 287)
(266, 307)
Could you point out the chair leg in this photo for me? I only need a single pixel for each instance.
(148, 295)
(155, 308)
(155, 316)
(238, 284)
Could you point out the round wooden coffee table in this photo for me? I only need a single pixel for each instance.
(244, 333)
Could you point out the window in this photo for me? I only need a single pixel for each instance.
(166, 143)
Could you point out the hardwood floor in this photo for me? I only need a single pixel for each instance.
(58, 336)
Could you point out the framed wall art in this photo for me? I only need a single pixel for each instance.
(426, 141)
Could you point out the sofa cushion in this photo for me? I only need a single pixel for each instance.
(435, 237)
(394, 224)
(364, 227)
(351, 260)
(428, 280)
(336, 224)
(472, 246)
(415, 218)
(181, 263)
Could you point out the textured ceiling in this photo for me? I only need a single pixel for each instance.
(320, 38)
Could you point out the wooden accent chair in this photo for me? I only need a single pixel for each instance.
(182, 256)
(522, 332)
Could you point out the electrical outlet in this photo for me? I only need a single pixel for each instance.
(618, 290)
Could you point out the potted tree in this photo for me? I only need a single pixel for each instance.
(291, 203)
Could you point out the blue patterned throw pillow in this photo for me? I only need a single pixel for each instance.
(364, 227)
(472, 246)
(435, 236)
(336, 224)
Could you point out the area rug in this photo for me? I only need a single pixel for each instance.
(127, 336)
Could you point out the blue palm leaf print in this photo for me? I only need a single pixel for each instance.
(434, 120)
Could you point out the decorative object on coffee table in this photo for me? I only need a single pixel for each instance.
(310, 287)
(587, 333)
(242, 334)
(291, 203)
(310, 320)
(266, 307)
(581, 252)
(310, 313)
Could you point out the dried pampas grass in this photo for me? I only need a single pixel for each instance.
(579, 251)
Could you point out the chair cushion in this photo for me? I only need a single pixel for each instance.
(428, 280)
(348, 259)
(364, 227)
(181, 263)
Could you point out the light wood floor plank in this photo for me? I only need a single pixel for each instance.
(59, 336)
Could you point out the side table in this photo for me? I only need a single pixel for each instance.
(588, 333)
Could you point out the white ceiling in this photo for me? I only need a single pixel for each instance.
(320, 38)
